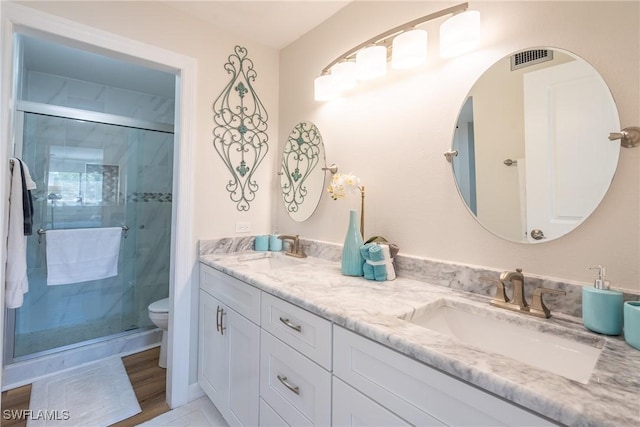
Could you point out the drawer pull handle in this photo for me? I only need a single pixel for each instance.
(219, 314)
(288, 385)
(291, 325)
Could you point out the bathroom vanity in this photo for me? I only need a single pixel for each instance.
(288, 341)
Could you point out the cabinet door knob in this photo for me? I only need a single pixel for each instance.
(288, 385)
(291, 325)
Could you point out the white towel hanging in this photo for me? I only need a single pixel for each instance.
(82, 254)
(16, 282)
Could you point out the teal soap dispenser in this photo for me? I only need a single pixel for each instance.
(602, 307)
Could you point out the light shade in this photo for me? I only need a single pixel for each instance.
(324, 88)
(344, 75)
(371, 63)
(460, 33)
(409, 49)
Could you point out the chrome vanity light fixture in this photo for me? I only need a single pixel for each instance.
(405, 45)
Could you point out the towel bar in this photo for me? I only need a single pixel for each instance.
(42, 231)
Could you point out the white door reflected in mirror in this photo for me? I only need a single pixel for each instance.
(551, 115)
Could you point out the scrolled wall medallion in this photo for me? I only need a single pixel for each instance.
(240, 135)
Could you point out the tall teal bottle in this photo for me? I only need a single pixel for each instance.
(352, 260)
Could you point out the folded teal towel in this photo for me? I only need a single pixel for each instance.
(367, 268)
(380, 270)
(364, 250)
(375, 253)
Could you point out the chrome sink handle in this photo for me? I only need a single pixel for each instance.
(538, 307)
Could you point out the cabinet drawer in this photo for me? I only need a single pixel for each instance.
(269, 417)
(352, 408)
(238, 295)
(304, 331)
(416, 392)
(295, 387)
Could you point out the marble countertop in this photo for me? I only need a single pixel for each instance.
(372, 309)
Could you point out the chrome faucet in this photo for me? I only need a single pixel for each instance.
(295, 249)
(518, 302)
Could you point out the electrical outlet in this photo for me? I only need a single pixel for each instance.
(243, 227)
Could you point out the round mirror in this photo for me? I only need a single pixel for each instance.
(301, 173)
(533, 155)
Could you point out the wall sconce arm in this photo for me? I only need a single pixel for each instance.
(333, 168)
(629, 137)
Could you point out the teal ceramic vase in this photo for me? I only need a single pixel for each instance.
(352, 260)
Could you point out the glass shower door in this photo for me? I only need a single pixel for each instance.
(90, 175)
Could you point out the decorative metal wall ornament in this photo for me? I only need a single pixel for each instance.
(300, 157)
(240, 135)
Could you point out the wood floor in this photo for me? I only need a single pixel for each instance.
(147, 378)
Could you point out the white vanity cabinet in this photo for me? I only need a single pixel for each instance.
(413, 391)
(295, 363)
(229, 345)
(264, 361)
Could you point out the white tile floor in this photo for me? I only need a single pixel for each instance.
(199, 413)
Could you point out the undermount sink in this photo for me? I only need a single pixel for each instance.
(268, 261)
(571, 357)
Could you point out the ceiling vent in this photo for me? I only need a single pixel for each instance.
(530, 57)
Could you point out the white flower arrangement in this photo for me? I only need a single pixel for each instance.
(343, 184)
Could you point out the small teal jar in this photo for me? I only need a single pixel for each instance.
(352, 260)
(602, 310)
(632, 323)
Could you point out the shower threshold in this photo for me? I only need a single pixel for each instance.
(72, 346)
(33, 367)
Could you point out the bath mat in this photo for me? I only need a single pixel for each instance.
(97, 394)
(199, 412)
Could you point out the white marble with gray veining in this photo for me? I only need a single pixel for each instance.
(372, 309)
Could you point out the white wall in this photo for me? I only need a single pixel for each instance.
(498, 186)
(392, 133)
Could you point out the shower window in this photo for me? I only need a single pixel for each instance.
(98, 186)
(77, 178)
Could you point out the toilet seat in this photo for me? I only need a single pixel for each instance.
(160, 306)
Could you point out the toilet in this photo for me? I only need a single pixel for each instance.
(159, 315)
